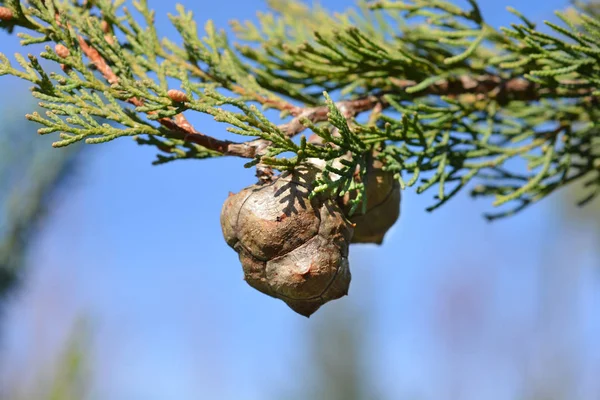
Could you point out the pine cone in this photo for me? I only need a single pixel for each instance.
(290, 247)
(383, 205)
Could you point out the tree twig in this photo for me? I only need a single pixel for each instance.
(487, 85)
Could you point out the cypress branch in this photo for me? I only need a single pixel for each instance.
(451, 100)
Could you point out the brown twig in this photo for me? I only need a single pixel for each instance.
(490, 86)
(501, 90)
(180, 125)
(98, 61)
(321, 113)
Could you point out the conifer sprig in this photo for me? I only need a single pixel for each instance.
(452, 100)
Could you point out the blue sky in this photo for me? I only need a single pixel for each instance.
(138, 250)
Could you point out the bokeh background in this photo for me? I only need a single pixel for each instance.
(127, 290)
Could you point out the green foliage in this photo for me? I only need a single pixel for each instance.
(452, 101)
(71, 380)
(65, 378)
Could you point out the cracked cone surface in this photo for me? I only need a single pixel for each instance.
(291, 247)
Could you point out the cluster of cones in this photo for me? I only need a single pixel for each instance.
(296, 249)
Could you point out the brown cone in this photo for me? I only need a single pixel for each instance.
(290, 247)
(382, 209)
